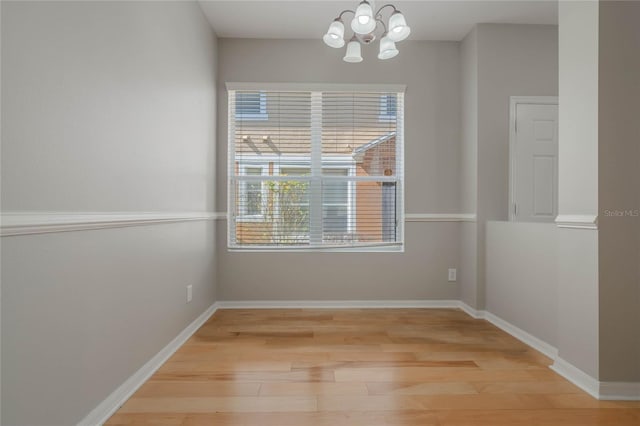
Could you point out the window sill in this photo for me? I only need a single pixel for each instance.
(273, 250)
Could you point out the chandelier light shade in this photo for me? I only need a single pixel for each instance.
(398, 28)
(335, 35)
(354, 52)
(363, 21)
(365, 25)
(387, 48)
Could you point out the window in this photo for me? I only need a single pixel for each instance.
(251, 106)
(335, 204)
(252, 203)
(321, 172)
(388, 108)
(292, 207)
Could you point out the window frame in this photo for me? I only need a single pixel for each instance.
(317, 89)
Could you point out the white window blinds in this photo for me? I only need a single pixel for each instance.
(316, 169)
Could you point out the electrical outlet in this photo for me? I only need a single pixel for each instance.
(189, 293)
(452, 274)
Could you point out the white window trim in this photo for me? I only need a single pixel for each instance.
(360, 248)
(317, 87)
(400, 90)
(400, 172)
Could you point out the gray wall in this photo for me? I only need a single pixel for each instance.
(599, 159)
(578, 143)
(578, 335)
(106, 107)
(418, 274)
(469, 95)
(468, 274)
(432, 152)
(506, 60)
(578, 340)
(619, 183)
(513, 60)
(522, 282)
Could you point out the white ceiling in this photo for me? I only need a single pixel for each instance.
(429, 20)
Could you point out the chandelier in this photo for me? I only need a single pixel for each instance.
(364, 25)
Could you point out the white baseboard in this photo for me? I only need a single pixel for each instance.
(528, 339)
(472, 312)
(599, 390)
(335, 304)
(576, 376)
(620, 391)
(560, 366)
(608, 391)
(110, 405)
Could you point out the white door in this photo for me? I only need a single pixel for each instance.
(534, 163)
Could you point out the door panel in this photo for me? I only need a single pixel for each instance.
(543, 182)
(534, 160)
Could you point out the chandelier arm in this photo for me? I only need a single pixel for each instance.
(386, 5)
(380, 21)
(345, 11)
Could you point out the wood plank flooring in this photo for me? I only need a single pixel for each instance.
(296, 367)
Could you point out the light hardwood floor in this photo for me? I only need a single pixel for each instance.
(296, 367)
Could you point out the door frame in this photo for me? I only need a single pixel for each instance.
(514, 101)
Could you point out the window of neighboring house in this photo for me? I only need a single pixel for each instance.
(251, 106)
(323, 172)
(388, 108)
(251, 200)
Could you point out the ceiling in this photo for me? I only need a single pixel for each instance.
(429, 20)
